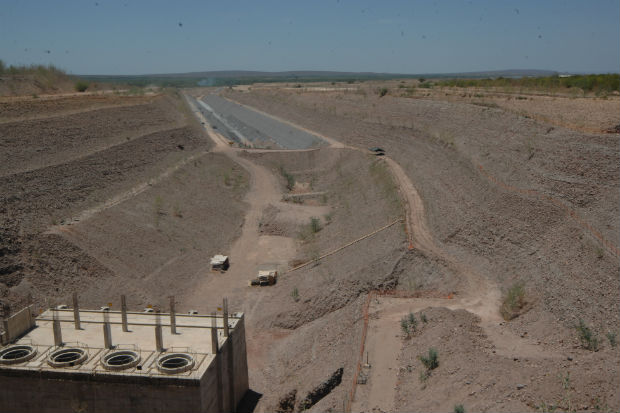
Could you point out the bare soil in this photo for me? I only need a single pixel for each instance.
(114, 185)
(133, 195)
(506, 198)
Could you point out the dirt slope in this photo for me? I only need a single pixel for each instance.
(506, 199)
(85, 212)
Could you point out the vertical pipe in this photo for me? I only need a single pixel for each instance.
(218, 363)
(107, 332)
(173, 318)
(159, 342)
(124, 313)
(214, 343)
(57, 330)
(76, 312)
(225, 307)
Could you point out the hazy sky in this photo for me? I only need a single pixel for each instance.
(156, 36)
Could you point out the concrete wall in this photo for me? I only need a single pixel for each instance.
(240, 361)
(34, 393)
(220, 389)
(17, 324)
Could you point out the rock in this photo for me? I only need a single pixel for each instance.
(520, 386)
(569, 358)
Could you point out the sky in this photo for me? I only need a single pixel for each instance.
(157, 36)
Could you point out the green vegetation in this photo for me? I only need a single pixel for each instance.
(459, 408)
(383, 91)
(49, 70)
(81, 86)
(431, 361)
(48, 76)
(588, 83)
(514, 301)
(409, 324)
(588, 339)
(210, 79)
(295, 294)
(315, 224)
(290, 179)
(612, 339)
(423, 318)
(308, 231)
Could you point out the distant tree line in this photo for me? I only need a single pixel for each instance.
(587, 83)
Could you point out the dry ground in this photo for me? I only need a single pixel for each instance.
(99, 194)
(118, 194)
(507, 199)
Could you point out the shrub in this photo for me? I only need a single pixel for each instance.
(404, 325)
(290, 179)
(81, 86)
(412, 321)
(431, 361)
(383, 92)
(408, 324)
(612, 339)
(295, 294)
(588, 339)
(459, 408)
(315, 224)
(424, 375)
(423, 318)
(514, 301)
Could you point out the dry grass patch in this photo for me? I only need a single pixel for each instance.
(514, 301)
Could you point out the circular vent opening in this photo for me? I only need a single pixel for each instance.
(175, 363)
(67, 357)
(17, 354)
(120, 360)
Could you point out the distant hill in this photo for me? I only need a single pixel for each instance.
(230, 77)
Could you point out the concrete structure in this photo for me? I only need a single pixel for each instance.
(121, 361)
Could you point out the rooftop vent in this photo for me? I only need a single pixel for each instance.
(17, 354)
(67, 357)
(174, 363)
(120, 360)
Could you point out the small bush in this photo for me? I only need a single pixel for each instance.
(404, 325)
(424, 375)
(383, 92)
(612, 339)
(412, 321)
(459, 408)
(315, 224)
(588, 339)
(431, 361)
(514, 301)
(295, 294)
(409, 324)
(423, 318)
(81, 86)
(290, 179)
